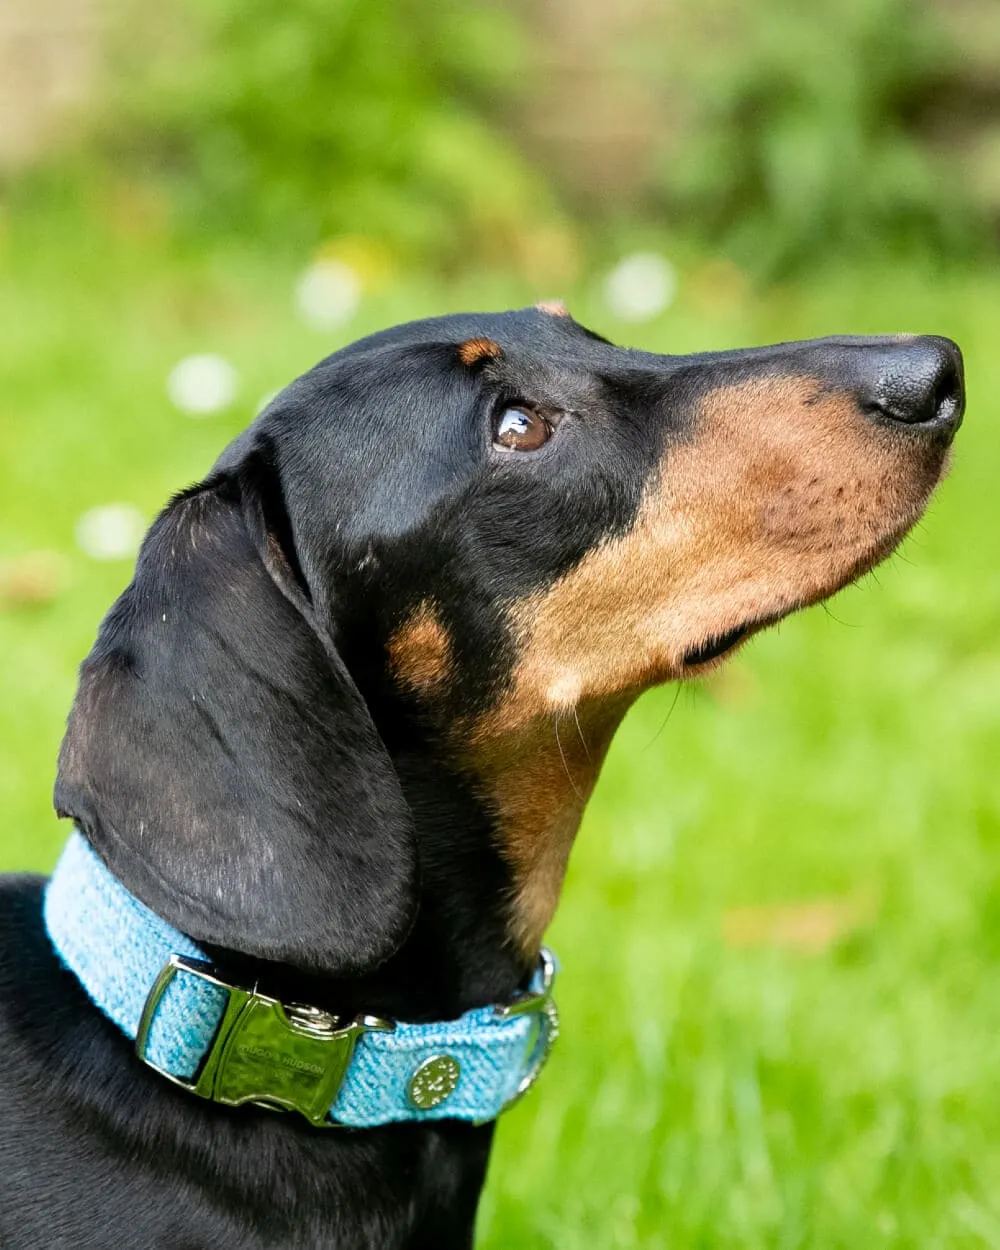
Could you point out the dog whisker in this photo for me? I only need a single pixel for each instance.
(562, 756)
(579, 730)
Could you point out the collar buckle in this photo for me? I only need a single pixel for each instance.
(536, 1001)
(286, 1057)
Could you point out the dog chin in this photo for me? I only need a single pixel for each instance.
(717, 647)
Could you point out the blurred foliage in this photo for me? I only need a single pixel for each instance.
(305, 119)
(504, 133)
(808, 127)
(777, 130)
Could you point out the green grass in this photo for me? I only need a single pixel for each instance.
(705, 1093)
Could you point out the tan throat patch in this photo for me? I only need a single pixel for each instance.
(536, 783)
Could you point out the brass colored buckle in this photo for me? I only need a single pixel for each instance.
(286, 1058)
(541, 1003)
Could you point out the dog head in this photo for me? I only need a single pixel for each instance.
(442, 544)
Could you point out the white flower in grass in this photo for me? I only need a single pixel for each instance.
(327, 294)
(641, 286)
(111, 532)
(202, 385)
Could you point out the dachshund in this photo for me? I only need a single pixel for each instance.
(315, 740)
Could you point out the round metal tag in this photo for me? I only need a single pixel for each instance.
(434, 1081)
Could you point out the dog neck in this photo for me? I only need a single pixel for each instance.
(525, 751)
(496, 816)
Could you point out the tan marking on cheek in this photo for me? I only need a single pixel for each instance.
(474, 350)
(554, 307)
(420, 652)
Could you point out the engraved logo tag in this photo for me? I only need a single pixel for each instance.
(434, 1081)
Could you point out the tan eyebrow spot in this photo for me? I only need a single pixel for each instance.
(473, 350)
(420, 651)
(554, 307)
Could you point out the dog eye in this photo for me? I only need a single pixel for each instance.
(520, 429)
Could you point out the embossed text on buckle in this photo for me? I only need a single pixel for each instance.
(289, 1058)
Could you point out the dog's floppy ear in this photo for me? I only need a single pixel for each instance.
(221, 759)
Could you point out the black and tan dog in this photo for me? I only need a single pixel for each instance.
(319, 730)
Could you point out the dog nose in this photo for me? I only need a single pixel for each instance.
(917, 381)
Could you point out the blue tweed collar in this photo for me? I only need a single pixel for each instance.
(234, 1045)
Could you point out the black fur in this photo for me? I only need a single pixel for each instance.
(241, 758)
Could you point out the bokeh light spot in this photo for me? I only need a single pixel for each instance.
(327, 294)
(202, 385)
(640, 286)
(112, 531)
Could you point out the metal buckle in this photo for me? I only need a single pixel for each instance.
(536, 1002)
(286, 1058)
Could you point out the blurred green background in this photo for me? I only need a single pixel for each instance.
(782, 923)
